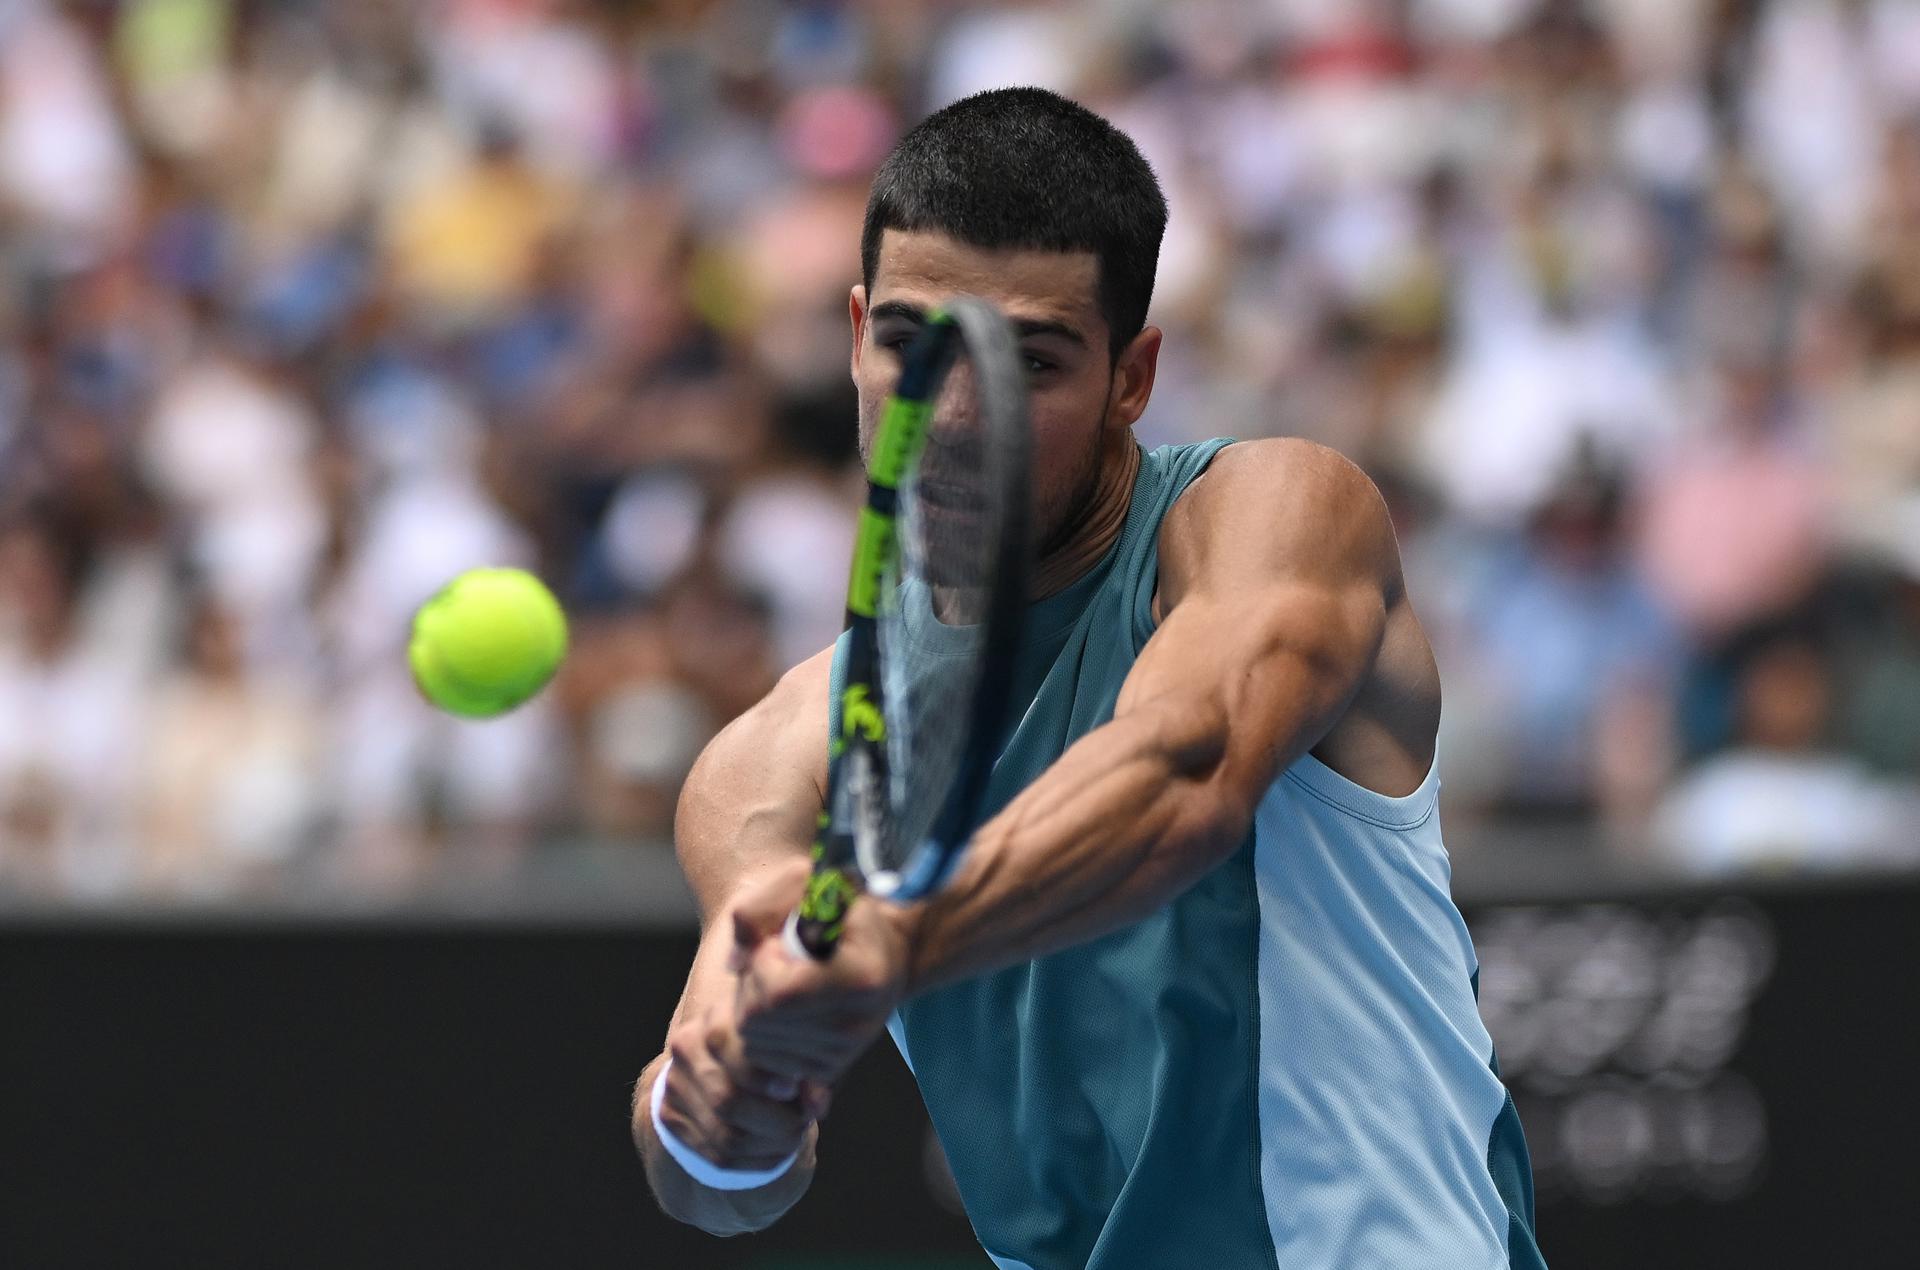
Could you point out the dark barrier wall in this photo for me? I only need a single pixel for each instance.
(1707, 1081)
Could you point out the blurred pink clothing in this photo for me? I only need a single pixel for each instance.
(1732, 531)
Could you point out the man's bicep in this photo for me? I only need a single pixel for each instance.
(754, 797)
(1255, 680)
(1277, 576)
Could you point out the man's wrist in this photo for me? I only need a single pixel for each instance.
(907, 921)
(697, 1166)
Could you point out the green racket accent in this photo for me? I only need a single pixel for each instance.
(830, 893)
(873, 548)
(903, 426)
(860, 716)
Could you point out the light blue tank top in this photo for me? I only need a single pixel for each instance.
(1283, 1067)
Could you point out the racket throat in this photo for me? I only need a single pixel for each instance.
(867, 795)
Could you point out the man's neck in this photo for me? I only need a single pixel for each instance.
(1100, 524)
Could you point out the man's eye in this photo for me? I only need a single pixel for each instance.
(1039, 365)
(895, 343)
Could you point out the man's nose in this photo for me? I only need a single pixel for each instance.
(958, 406)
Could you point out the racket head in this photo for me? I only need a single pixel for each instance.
(947, 642)
(935, 604)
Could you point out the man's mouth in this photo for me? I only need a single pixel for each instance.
(946, 498)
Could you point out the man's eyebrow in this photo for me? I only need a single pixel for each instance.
(901, 310)
(1035, 326)
(896, 309)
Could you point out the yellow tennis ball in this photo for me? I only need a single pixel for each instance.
(489, 640)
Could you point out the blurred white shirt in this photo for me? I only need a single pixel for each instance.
(1752, 809)
(69, 734)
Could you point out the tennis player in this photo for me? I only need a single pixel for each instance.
(1197, 994)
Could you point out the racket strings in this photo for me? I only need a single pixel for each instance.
(932, 632)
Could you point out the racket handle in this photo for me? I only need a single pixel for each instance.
(815, 925)
(806, 943)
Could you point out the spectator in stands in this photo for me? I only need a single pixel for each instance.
(68, 723)
(1878, 669)
(1781, 797)
(1565, 633)
(227, 796)
(315, 305)
(1733, 525)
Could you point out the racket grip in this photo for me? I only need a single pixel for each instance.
(799, 947)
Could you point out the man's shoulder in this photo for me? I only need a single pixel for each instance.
(788, 724)
(1262, 470)
(1280, 497)
(783, 736)
(755, 790)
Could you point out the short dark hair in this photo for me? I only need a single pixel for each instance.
(1026, 168)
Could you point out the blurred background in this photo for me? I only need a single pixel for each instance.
(305, 307)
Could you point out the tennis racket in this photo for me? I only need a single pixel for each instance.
(934, 606)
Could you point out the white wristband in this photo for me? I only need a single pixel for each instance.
(698, 1167)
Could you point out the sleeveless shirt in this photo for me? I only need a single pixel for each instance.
(1284, 1066)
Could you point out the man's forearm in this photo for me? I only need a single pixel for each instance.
(1126, 820)
(716, 1212)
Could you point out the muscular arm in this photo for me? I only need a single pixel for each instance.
(747, 809)
(1278, 570)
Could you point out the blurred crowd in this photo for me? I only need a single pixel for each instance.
(305, 307)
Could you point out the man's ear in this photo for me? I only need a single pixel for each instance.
(857, 316)
(1133, 378)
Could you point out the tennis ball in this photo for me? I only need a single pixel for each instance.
(487, 642)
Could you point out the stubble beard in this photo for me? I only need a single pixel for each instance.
(1059, 530)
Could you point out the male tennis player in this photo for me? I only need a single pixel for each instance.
(1197, 994)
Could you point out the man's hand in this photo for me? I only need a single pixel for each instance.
(808, 1020)
(750, 803)
(728, 1110)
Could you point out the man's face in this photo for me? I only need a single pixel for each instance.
(1052, 298)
